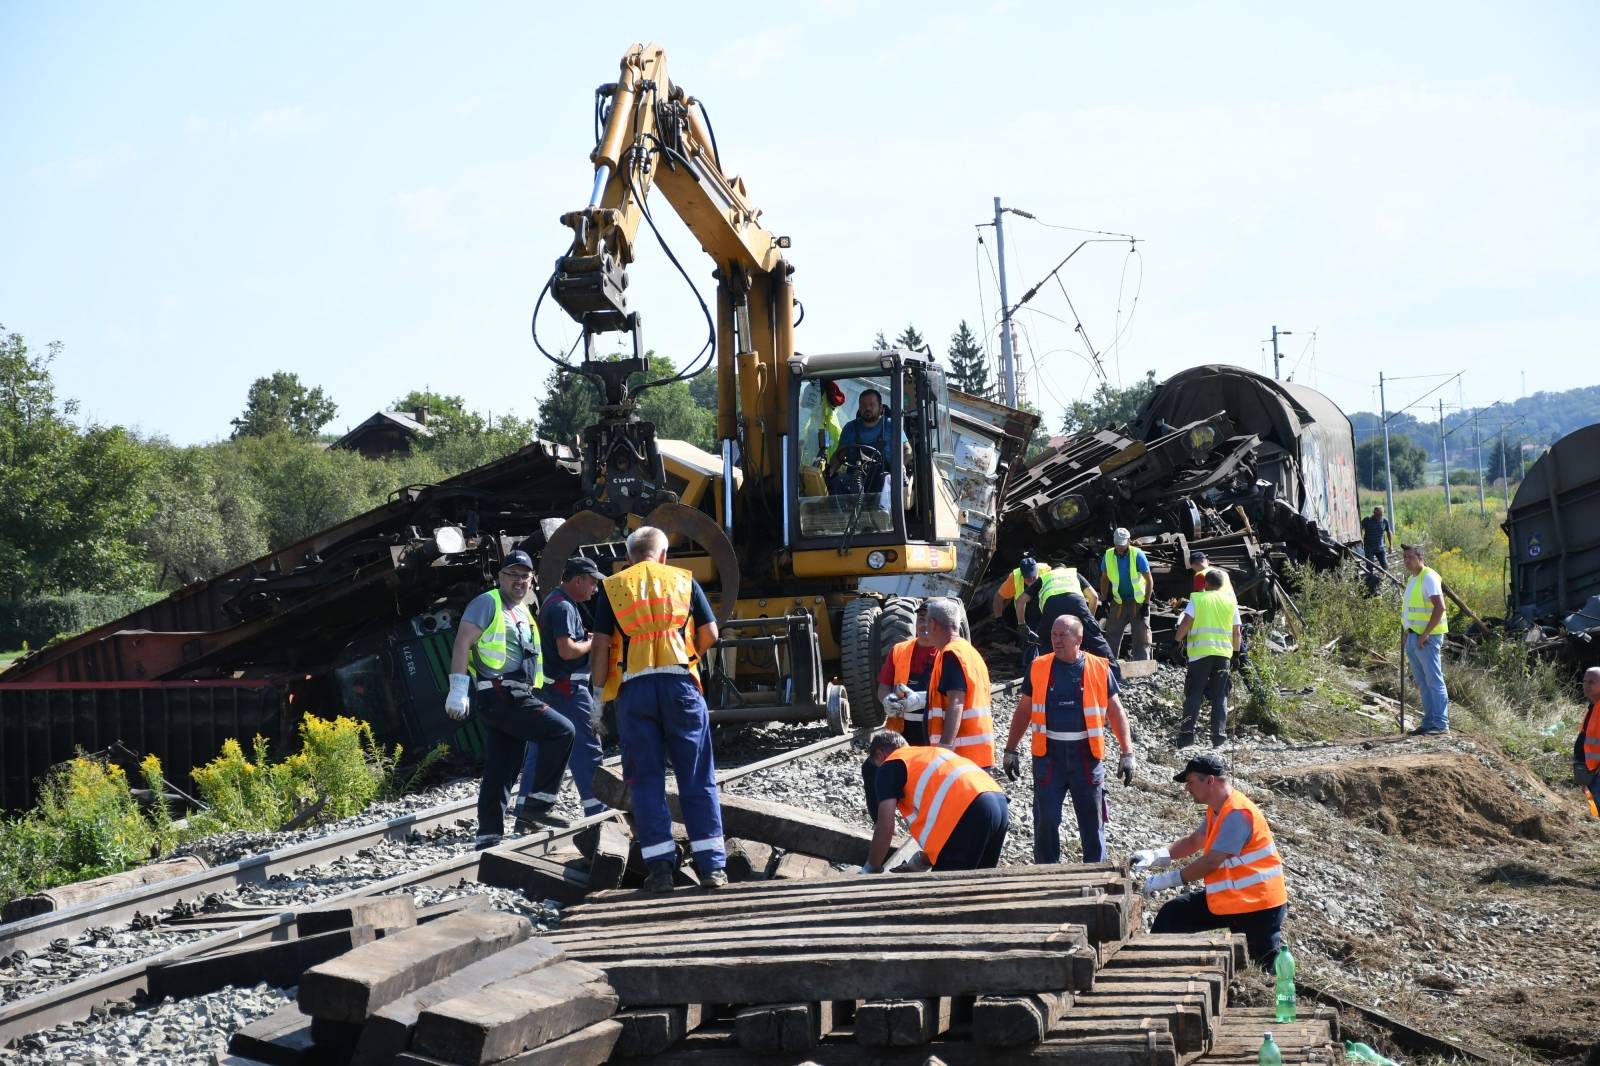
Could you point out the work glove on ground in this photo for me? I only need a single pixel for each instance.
(457, 702)
(1151, 859)
(1125, 768)
(1011, 763)
(1161, 882)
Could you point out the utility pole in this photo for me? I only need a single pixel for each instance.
(1477, 451)
(1383, 413)
(1008, 356)
(1444, 457)
(1275, 357)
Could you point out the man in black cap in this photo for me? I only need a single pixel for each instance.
(1199, 564)
(1243, 886)
(495, 670)
(567, 634)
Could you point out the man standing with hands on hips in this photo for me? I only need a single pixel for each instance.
(495, 670)
(1066, 699)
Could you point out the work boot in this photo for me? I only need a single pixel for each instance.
(660, 878)
(714, 879)
(1185, 740)
(531, 819)
(486, 841)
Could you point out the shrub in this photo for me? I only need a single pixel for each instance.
(88, 804)
(39, 619)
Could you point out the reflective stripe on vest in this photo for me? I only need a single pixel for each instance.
(1591, 737)
(1253, 879)
(940, 786)
(975, 734)
(1211, 630)
(1113, 570)
(652, 604)
(1415, 610)
(1096, 695)
(1057, 581)
(490, 651)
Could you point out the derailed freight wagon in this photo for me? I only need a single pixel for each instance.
(1553, 529)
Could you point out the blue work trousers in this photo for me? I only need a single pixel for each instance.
(1427, 670)
(978, 836)
(662, 716)
(1068, 769)
(1189, 913)
(513, 717)
(573, 699)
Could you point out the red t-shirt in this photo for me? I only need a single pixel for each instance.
(921, 669)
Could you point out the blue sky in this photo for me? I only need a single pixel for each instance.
(368, 195)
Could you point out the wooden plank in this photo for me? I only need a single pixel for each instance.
(282, 1038)
(865, 975)
(793, 866)
(1211, 982)
(495, 1023)
(388, 1032)
(534, 875)
(383, 913)
(279, 963)
(1015, 1021)
(782, 1027)
(1218, 941)
(1100, 916)
(616, 939)
(1187, 1022)
(477, 901)
(1163, 959)
(651, 1030)
(1148, 1048)
(351, 987)
(1043, 876)
(829, 942)
(78, 893)
(586, 1047)
(608, 860)
(748, 860)
(901, 1022)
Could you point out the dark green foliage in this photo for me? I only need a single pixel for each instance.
(282, 404)
(39, 619)
(969, 368)
(1405, 459)
(1110, 405)
(570, 400)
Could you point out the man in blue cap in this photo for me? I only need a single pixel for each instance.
(566, 631)
(495, 670)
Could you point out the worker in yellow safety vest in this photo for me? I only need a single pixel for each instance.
(1125, 589)
(495, 672)
(652, 623)
(1586, 748)
(1210, 628)
(953, 808)
(1242, 886)
(1423, 618)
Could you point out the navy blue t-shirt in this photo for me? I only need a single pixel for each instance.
(1063, 703)
(605, 620)
(891, 781)
(561, 616)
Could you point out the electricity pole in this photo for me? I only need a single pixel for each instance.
(1383, 414)
(1477, 451)
(1275, 358)
(1008, 357)
(1444, 457)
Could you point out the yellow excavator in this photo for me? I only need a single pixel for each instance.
(795, 533)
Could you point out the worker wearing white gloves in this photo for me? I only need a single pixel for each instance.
(1068, 698)
(1239, 877)
(494, 670)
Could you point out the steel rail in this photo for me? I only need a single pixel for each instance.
(75, 1000)
(41, 929)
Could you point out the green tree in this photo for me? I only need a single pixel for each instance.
(1039, 439)
(880, 343)
(910, 339)
(570, 400)
(205, 517)
(459, 439)
(969, 369)
(71, 500)
(1406, 459)
(282, 403)
(1110, 405)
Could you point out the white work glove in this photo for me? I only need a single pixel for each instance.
(457, 702)
(892, 707)
(597, 719)
(1161, 882)
(1151, 859)
(913, 701)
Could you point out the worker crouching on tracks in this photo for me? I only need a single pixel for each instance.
(1586, 748)
(1067, 697)
(955, 811)
(1243, 883)
(1125, 590)
(651, 625)
(1047, 593)
(567, 639)
(494, 671)
(1211, 627)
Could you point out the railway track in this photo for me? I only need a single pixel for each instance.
(75, 1000)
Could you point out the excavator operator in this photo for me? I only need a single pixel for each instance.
(860, 464)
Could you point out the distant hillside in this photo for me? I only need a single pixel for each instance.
(1546, 418)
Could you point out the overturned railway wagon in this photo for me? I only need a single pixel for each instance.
(1553, 529)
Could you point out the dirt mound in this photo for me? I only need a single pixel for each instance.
(1445, 800)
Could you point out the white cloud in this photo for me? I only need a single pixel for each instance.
(283, 119)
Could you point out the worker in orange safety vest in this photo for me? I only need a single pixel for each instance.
(1586, 748)
(953, 808)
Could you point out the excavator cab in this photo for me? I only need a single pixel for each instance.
(870, 425)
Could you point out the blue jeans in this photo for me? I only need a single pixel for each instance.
(1066, 769)
(1427, 670)
(661, 716)
(573, 700)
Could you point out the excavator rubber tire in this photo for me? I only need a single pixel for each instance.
(859, 661)
(897, 623)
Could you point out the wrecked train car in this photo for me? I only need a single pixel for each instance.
(1553, 529)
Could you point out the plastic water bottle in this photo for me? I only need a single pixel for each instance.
(1271, 1054)
(1354, 1052)
(1283, 966)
